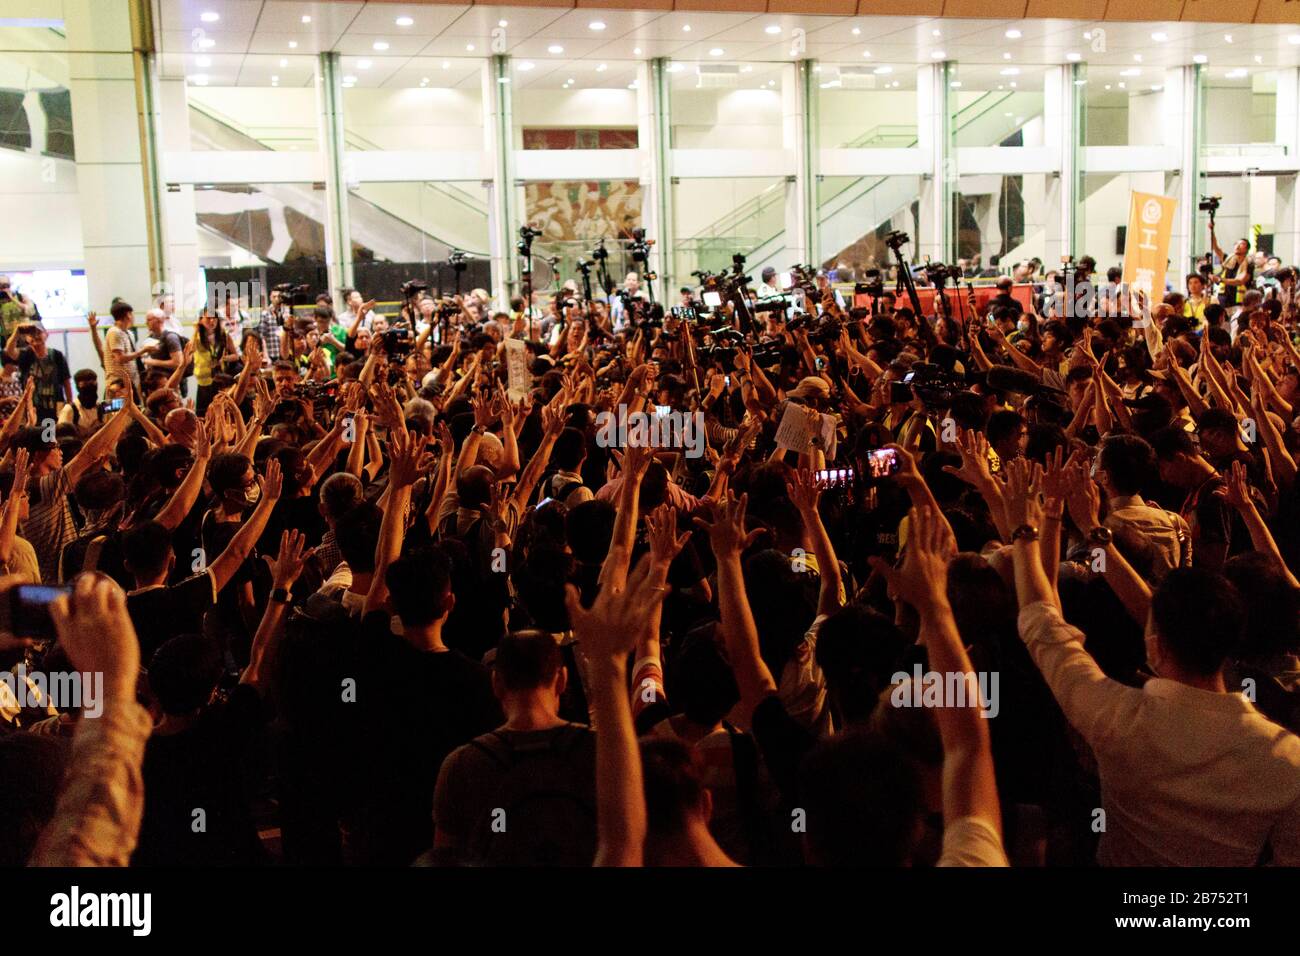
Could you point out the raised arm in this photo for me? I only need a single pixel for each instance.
(404, 453)
(284, 572)
(1236, 492)
(245, 539)
(636, 461)
(98, 445)
(183, 498)
(13, 506)
(805, 494)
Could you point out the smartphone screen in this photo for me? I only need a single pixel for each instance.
(713, 299)
(541, 504)
(28, 610)
(882, 462)
(116, 405)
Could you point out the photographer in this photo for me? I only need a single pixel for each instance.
(42, 365)
(1238, 271)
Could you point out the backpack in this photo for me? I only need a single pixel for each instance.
(549, 817)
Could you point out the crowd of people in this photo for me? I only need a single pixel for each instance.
(1009, 585)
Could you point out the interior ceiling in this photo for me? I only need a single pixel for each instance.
(247, 42)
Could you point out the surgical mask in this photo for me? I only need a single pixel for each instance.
(253, 493)
(88, 396)
(1023, 326)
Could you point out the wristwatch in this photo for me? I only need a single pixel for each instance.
(280, 595)
(1026, 532)
(1100, 536)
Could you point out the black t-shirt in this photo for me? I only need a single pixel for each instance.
(50, 373)
(163, 612)
(201, 769)
(429, 704)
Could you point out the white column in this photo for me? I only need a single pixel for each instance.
(337, 222)
(498, 142)
(934, 140)
(1060, 135)
(797, 137)
(1182, 143)
(181, 223)
(110, 177)
(655, 160)
(1286, 217)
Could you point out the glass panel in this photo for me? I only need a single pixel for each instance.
(854, 214)
(251, 103)
(996, 105)
(1240, 106)
(860, 107)
(1124, 106)
(1001, 220)
(725, 105)
(715, 218)
(1103, 209)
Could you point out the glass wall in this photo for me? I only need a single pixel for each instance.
(1123, 106)
(866, 106)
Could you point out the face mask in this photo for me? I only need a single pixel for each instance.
(1023, 326)
(88, 396)
(253, 493)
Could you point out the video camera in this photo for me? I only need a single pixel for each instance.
(935, 386)
(413, 287)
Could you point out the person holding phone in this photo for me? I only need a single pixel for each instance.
(85, 413)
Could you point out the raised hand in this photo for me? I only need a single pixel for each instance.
(289, 563)
(1024, 484)
(661, 533)
(608, 630)
(1082, 497)
(272, 481)
(726, 531)
(974, 450)
(404, 452)
(94, 628)
(1236, 488)
(922, 579)
(803, 490)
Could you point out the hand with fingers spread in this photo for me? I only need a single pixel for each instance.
(272, 482)
(1082, 497)
(803, 490)
(1235, 489)
(973, 447)
(726, 530)
(607, 631)
(1024, 483)
(404, 453)
(290, 560)
(1055, 481)
(661, 534)
(922, 579)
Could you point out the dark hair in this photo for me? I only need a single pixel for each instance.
(859, 650)
(340, 493)
(357, 534)
(474, 487)
(98, 490)
(183, 673)
(1129, 460)
(862, 796)
(1171, 441)
(1003, 424)
(120, 309)
(702, 680)
(145, 549)
(539, 585)
(673, 780)
(526, 660)
(420, 585)
(1199, 617)
(226, 473)
(570, 448)
(589, 528)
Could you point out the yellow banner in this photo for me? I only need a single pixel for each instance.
(1146, 244)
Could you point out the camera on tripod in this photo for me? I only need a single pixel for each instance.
(1209, 204)
(413, 287)
(897, 239)
(640, 247)
(526, 236)
(458, 260)
(398, 342)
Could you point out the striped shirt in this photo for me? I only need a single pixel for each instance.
(49, 525)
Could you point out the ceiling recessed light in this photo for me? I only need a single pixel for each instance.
(1227, 38)
(293, 44)
(883, 70)
(469, 48)
(1237, 74)
(209, 16)
(404, 21)
(284, 61)
(364, 64)
(771, 82)
(1012, 84)
(717, 51)
(1074, 57)
(936, 33)
(1200, 58)
(349, 78)
(1107, 86)
(1160, 37)
(1123, 86)
(675, 67)
(857, 31)
(772, 29)
(1294, 39)
(937, 54)
(866, 53)
(503, 23)
(526, 65)
(555, 48)
(207, 43)
(1010, 71)
(601, 68)
(1131, 71)
(571, 80)
(1006, 56)
(204, 61)
(380, 45)
(1258, 58)
(1013, 34)
(306, 18)
(275, 79)
(596, 25)
(1137, 57)
(199, 79)
(1087, 35)
(636, 52)
(686, 28)
(446, 65)
(955, 84)
(1080, 82)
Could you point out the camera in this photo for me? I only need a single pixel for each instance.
(413, 287)
(398, 342)
(934, 386)
(526, 236)
(685, 312)
(458, 260)
(939, 274)
(1209, 204)
(897, 239)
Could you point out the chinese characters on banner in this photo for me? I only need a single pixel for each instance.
(1146, 245)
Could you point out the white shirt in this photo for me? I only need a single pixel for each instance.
(1188, 777)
